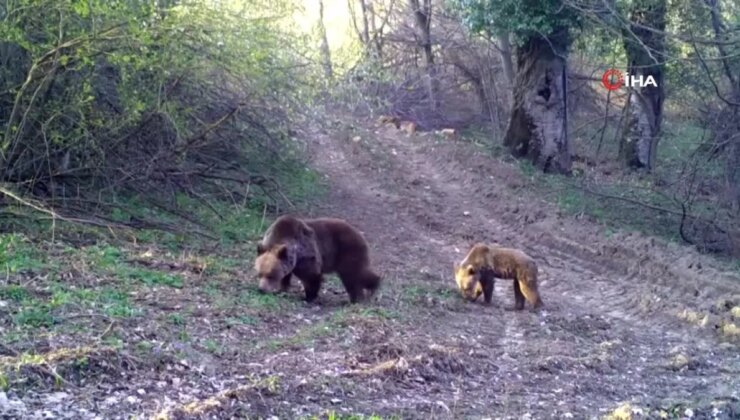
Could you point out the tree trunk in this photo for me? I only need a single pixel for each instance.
(423, 21)
(537, 127)
(730, 138)
(645, 46)
(506, 62)
(365, 24)
(325, 52)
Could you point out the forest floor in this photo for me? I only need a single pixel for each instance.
(632, 325)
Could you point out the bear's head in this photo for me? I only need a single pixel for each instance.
(272, 265)
(468, 278)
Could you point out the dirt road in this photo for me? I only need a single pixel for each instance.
(612, 330)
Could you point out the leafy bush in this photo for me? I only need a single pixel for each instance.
(101, 97)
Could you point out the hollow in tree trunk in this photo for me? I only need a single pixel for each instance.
(537, 127)
(643, 114)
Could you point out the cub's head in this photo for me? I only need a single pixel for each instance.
(468, 278)
(272, 265)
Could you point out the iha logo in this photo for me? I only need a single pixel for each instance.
(613, 80)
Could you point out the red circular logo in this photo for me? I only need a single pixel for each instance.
(612, 79)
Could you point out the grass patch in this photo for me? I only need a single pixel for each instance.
(18, 254)
(108, 260)
(572, 196)
(176, 319)
(252, 298)
(34, 317)
(308, 335)
(413, 294)
(153, 277)
(15, 293)
(333, 415)
(242, 320)
(376, 312)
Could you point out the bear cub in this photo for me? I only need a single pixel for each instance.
(477, 272)
(310, 248)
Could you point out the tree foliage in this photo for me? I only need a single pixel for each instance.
(523, 19)
(127, 93)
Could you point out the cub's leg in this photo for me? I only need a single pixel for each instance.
(488, 282)
(518, 296)
(529, 290)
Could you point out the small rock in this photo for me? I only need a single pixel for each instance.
(443, 405)
(679, 361)
(356, 139)
(730, 329)
(466, 213)
(735, 311)
(335, 401)
(688, 413)
(708, 321)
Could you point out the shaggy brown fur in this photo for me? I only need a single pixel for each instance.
(476, 274)
(311, 248)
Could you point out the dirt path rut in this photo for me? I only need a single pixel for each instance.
(612, 329)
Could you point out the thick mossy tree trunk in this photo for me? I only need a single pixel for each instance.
(537, 128)
(643, 114)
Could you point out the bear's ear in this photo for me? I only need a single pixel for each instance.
(260, 249)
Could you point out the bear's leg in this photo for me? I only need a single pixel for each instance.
(518, 296)
(312, 285)
(285, 283)
(353, 286)
(488, 284)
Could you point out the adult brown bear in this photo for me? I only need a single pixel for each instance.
(476, 274)
(310, 248)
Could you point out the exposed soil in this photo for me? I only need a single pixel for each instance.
(627, 318)
(619, 310)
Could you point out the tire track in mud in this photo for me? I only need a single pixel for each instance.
(605, 321)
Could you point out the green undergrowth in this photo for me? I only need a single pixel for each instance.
(83, 283)
(612, 204)
(621, 200)
(333, 415)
